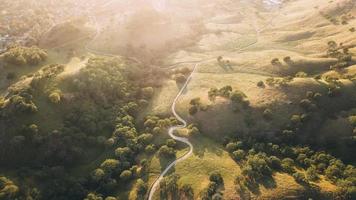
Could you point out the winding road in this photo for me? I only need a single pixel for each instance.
(183, 124)
(171, 131)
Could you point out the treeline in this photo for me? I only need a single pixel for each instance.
(260, 160)
(19, 55)
(96, 111)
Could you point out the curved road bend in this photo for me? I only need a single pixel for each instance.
(171, 131)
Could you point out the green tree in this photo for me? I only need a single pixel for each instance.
(110, 165)
(216, 177)
(141, 188)
(126, 175)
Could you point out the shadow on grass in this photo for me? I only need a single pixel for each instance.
(164, 162)
(254, 185)
(268, 182)
(203, 145)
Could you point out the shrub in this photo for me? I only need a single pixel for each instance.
(299, 177)
(317, 96)
(213, 93)
(123, 153)
(8, 190)
(260, 84)
(194, 131)
(287, 59)
(98, 174)
(188, 192)
(288, 165)
(150, 149)
(110, 142)
(267, 114)
(141, 188)
(306, 104)
(110, 165)
(195, 102)
(275, 163)
(296, 119)
(270, 81)
(238, 155)
(216, 177)
(311, 174)
(55, 97)
(171, 143)
(126, 175)
(225, 91)
(237, 96)
(231, 147)
(193, 110)
(180, 78)
(301, 75)
(275, 61)
(111, 198)
(166, 152)
(257, 167)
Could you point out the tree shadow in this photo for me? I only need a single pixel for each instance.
(201, 147)
(180, 86)
(164, 162)
(253, 187)
(268, 182)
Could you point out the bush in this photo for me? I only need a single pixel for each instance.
(98, 175)
(317, 96)
(216, 177)
(171, 143)
(194, 131)
(55, 97)
(288, 165)
(126, 175)
(275, 163)
(300, 178)
(301, 75)
(141, 188)
(270, 81)
(110, 165)
(287, 59)
(8, 190)
(123, 153)
(275, 61)
(267, 114)
(260, 84)
(180, 78)
(231, 147)
(306, 104)
(166, 152)
(296, 119)
(195, 102)
(238, 155)
(237, 96)
(257, 167)
(150, 149)
(312, 174)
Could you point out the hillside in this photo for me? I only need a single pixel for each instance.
(178, 100)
